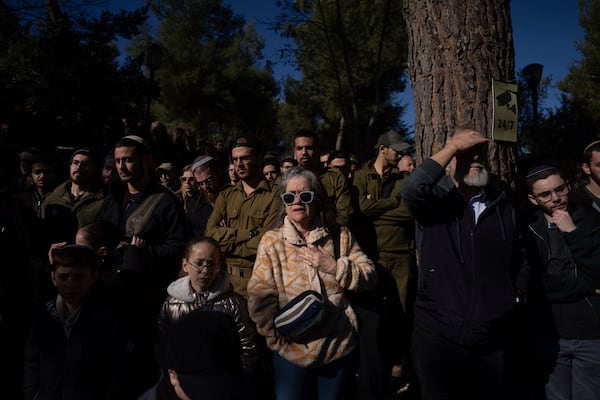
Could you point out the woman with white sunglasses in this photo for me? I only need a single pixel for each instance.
(309, 251)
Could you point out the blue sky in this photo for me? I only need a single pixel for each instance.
(544, 31)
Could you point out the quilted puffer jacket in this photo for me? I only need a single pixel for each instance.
(220, 296)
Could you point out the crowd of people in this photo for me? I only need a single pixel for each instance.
(154, 268)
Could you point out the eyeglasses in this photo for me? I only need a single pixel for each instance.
(546, 196)
(208, 264)
(207, 182)
(306, 197)
(186, 179)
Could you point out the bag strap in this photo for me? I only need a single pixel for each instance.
(336, 245)
(140, 216)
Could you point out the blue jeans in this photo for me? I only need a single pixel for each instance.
(576, 373)
(330, 381)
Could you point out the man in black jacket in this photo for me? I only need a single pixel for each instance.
(470, 264)
(565, 324)
(585, 204)
(152, 226)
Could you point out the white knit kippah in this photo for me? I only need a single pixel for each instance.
(200, 161)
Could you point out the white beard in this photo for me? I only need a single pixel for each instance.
(477, 179)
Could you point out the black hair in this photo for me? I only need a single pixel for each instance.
(338, 154)
(589, 149)
(141, 146)
(543, 173)
(74, 255)
(307, 133)
(271, 160)
(101, 233)
(290, 160)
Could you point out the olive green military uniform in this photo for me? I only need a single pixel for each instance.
(338, 191)
(379, 202)
(246, 219)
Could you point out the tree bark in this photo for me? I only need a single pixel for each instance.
(456, 48)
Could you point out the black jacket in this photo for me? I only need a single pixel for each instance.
(468, 271)
(562, 299)
(585, 240)
(90, 364)
(165, 232)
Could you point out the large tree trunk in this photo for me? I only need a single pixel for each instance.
(456, 48)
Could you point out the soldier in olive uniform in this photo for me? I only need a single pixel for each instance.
(243, 212)
(386, 233)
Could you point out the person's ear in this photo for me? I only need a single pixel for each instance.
(184, 266)
(53, 278)
(532, 200)
(585, 167)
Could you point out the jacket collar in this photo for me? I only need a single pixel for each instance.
(263, 185)
(182, 288)
(292, 236)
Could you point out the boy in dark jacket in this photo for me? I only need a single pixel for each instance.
(74, 350)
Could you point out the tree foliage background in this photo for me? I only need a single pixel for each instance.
(563, 133)
(210, 74)
(62, 75)
(582, 84)
(351, 56)
(59, 71)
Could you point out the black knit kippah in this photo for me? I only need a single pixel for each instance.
(538, 169)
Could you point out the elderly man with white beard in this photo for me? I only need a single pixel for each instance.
(471, 271)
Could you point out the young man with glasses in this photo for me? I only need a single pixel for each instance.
(207, 177)
(566, 346)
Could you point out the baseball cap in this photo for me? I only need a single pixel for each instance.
(165, 167)
(245, 141)
(394, 140)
